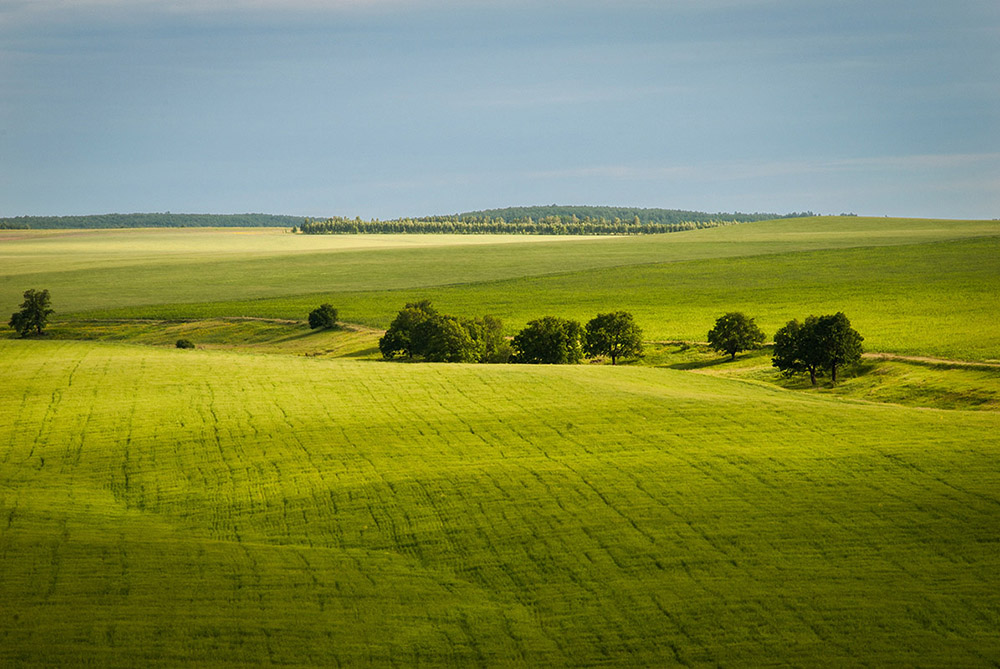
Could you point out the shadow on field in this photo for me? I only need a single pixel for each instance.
(702, 364)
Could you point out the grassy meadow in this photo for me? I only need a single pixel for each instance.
(281, 496)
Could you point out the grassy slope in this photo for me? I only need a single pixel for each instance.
(98, 269)
(163, 506)
(933, 299)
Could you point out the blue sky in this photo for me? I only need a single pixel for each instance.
(385, 108)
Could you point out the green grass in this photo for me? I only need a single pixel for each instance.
(244, 334)
(930, 299)
(100, 269)
(917, 383)
(164, 507)
(278, 497)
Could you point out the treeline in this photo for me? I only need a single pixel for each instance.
(421, 332)
(164, 220)
(549, 225)
(611, 214)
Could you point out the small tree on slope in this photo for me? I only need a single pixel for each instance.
(735, 332)
(34, 313)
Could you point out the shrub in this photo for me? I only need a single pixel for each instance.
(185, 343)
(324, 316)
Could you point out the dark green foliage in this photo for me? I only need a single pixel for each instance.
(611, 214)
(324, 316)
(449, 340)
(165, 220)
(405, 336)
(841, 343)
(820, 342)
(735, 332)
(488, 330)
(34, 313)
(615, 335)
(420, 331)
(552, 220)
(185, 343)
(553, 225)
(549, 340)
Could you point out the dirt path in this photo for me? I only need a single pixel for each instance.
(930, 361)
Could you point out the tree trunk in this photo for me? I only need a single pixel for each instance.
(612, 359)
(833, 372)
(732, 355)
(812, 375)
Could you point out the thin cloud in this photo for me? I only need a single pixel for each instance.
(742, 170)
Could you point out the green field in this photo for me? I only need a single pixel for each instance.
(280, 496)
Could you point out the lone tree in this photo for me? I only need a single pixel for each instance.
(615, 335)
(841, 343)
(820, 342)
(34, 313)
(325, 316)
(550, 341)
(735, 332)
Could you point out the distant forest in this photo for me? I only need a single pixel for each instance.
(551, 220)
(549, 225)
(165, 220)
(610, 214)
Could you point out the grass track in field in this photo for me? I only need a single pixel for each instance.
(163, 506)
(245, 334)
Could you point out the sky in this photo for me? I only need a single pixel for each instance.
(393, 108)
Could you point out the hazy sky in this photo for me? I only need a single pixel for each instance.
(385, 108)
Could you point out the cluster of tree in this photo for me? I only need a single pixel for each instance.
(816, 344)
(10, 224)
(550, 225)
(553, 341)
(34, 313)
(420, 331)
(164, 220)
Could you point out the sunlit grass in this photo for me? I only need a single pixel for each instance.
(167, 507)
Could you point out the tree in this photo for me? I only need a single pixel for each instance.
(488, 331)
(34, 313)
(840, 342)
(324, 316)
(735, 332)
(184, 343)
(549, 340)
(820, 342)
(449, 340)
(404, 334)
(615, 335)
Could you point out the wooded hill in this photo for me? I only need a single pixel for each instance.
(610, 215)
(164, 220)
(538, 220)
